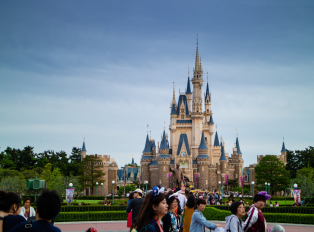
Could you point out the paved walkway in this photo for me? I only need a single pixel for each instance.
(108, 226)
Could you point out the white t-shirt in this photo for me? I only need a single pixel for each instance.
(182, 200)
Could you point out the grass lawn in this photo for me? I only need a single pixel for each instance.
(116, 202)
(282, 203)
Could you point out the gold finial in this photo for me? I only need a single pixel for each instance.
(147, 128)
(132, 155)
(207, 76)
(197, 56)
(150, 136)
(216, 127)
(174, 95)
(283, 138)
(237, 132)
(188, 71)
(84, 139)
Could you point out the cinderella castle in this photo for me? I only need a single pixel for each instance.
(201, 157)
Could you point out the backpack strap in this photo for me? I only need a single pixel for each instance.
(29, 226)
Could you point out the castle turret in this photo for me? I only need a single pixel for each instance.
(284, 152)
(207, 111)
(197, 115)
(146, 160)
(164, 161)
(83, 151)
(188, 94)
(173, 117)
(202, 164)
(223, 162)
(216, 150)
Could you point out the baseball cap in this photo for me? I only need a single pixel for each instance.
(138, 191)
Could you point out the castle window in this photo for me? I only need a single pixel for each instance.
(203, 169)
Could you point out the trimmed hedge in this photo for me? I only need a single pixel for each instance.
(92, 216)
(88, 208)
(211, 213)
(280, 210)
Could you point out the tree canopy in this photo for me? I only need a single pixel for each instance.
(271, 170)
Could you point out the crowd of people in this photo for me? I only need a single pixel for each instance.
(160, 211)
(177, 211)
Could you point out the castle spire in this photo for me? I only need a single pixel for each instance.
(174, 95)
(147, 147)
(223, 156)
(203, 143)
(197, 62)
(211, 120)
(188, 88)
(83, 147)
(283, 149)
(216, 141)
(163, 144)
(207, 90)
(238, 146)
(132, 159)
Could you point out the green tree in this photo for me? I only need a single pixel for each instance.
(28, 174)
(75, 161)
(14, 184)
(46, 174)
(232, 184)
(92, 169)
(56, 181)
(306, 185)
(306, 172)
(270, 169)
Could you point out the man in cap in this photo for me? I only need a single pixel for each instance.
(135, 204)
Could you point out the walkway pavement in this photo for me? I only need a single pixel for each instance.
(120, 226)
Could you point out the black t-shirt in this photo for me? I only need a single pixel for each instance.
(11, 221)
(37, 226)
(135, 205)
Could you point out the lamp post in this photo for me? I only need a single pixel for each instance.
(219, 182)
(269, 188)
(102, 186)
(96, 188)
(71, 186)
(266, 186)
(253, 189)
(295, 186)
(146, 182)
(113, 191)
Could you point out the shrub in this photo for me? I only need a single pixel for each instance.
(92, 216)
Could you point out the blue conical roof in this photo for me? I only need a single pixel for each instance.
(283, 149)
(163, 144)
(148, 147)
(173, 109)
(203, 143)
(211, 120)
(153, 143)
(223, 156)
(83, 147)
(207, 92)
(188, 88)
(238, 147)
(216, 141)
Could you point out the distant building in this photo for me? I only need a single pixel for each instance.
(131, 171)
(109, 170)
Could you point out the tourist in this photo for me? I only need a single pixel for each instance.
(48, 207)
(152, 211)
(169, 220)
(27, 211)
(199, 222)
(277, 205)
(182, 199)
(254, 219)
(135, 204)
(270, 204)
(129, 220)
(188, 213)
(106, 202)
(234, 222)
(278, 228)
(10, 203)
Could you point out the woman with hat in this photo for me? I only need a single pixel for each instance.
(169, 220)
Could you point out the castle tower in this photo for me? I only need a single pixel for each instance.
(216, 150)
(197, 117)
(223, 163)
(238, 162)
(163, 162)
(83, 151)
(202, 164)
(132, 160)
(188, 94)
(284, 153)
(173, 120)
(154, 152)
(146, 160)
(211, 132)
(207, 112)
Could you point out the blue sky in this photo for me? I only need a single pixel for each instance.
(104, 70)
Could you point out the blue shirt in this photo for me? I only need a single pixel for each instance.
(37, 226)
(199, 222)
(11, 221)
